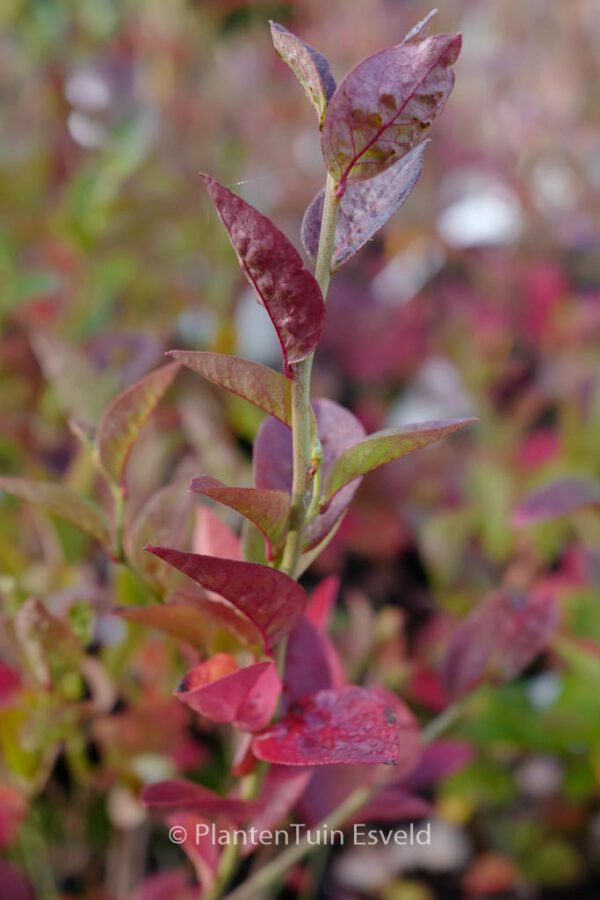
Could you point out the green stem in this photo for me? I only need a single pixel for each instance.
(301, 412)
(276, 869)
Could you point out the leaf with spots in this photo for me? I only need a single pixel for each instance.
(386, 105)
(341, 725)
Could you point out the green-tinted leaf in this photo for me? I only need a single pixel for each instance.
(179, 620)
(308, 65)
(62, 502)
(268, 510)
(123, 420)
(383, 447)
(258, 384)
(166, 518)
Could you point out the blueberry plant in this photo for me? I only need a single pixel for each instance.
(276, 678)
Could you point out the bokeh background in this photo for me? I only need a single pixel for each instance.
(481, 297)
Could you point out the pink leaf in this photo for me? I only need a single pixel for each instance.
(271, 600)
(309, 66)
(124, 418)
(178, 794)
(385, 106)
(274, 268)
(322, 600)
(343, 725)
(365, 208)
(258, 384)
(559, 498)
(268, 510)
(213, 538)
(338, 430)
(219, 690)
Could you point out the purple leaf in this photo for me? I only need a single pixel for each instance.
(268, 510)
(219, 690)
(309, 66)
(499, 639)
(310, 662)
(124, 418)
(343, 725)
(393, 804)
(178, 794)
(560, 498)
(258, 384)
(271, 600)
(274, 268)
(338, 430)
(383, 447)
(364, 209)
(64, 503)
(385, 106)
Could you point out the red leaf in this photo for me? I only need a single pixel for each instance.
(270, 599)
(124, 418)
(268, 510)
(338, 430)
(343, 725)
(274, 267)
(560, 498)
(385, 106)
(178, 794)
(220, 691)
(258, 384)
(365, 208)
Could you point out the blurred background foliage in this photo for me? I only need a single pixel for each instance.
(481, 297)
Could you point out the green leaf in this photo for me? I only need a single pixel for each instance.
(124, 418)
(383, 447)
(258, 384)
(267, 509)
(63, 502)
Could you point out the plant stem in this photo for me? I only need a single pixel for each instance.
(301, 412)
(281, 864)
